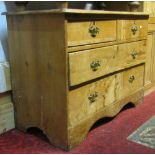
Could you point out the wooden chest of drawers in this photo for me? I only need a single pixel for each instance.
(72, 67)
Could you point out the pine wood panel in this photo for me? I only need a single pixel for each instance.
(34, 51)
(148, 7)
(6, 117)
(149, 62)
(153, 59)
(78, 32)
(6, 113)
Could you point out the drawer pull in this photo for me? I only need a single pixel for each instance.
(92, 97)
(93, 30)
(132, 78)
(95, 65)
(134, 29)
(134, 54)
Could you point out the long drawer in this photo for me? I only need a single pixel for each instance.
(89, 99)
(89, 32)
(130, 81)
(90, 64)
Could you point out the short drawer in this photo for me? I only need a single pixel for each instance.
(132, 29)
(90, 64)
(89, 32)
(87, 100)
(131, 81)
(129, 54)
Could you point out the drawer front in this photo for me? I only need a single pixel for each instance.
(89, 32)
(131, 53)
(132, 29)
(90, 64)
(91, 98)
(131, 81)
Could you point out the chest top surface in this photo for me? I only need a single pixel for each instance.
(78, 11)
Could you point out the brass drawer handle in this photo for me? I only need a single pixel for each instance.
(134, 54)
(94, 30)
(131, 78)
(95, 65)
(92, 97)
(134, 29)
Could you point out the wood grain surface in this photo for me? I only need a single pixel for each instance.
(110, 59)
(78, 32)
(39, 74)
(43, 72)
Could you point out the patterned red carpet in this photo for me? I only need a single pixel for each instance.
(109, 137)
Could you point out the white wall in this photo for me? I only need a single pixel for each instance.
(3, 34)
